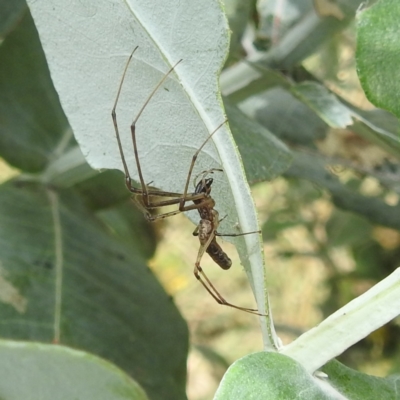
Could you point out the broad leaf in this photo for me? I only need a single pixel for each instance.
(264, 156)
(97, 38)
(269, 376)
(11, 12)
(33, 128)
(358, 386)
(277, 377)
(34, 370)
(64, 279)
(378, 53)
(338, 113)
(348, 325)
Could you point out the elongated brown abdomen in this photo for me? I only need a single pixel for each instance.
(218, 255)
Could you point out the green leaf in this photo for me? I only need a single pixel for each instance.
(378, 53)
(31, 371)
(377, 126)
(337, 113)
(268, 376)
(274, 376)
(268, 78)
(33, 128)
(358, 386)
(65, 279)
(106, 195)
(348, 325)
(238, 13)
(104, 190)
(325, 104)
(87, 69)
(264, 156)
(11, 13)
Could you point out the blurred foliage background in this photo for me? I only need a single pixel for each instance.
(330, 223)
(326, 225)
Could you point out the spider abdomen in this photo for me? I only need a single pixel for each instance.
(215, 251)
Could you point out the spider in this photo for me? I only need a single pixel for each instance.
(147, 199)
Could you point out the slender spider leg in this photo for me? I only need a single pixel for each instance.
(235, 234)
(144, 191)
(146, 194)
(183, 199)
(201, 199)
(205, 231)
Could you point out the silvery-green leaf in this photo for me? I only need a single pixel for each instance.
(87, 45)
